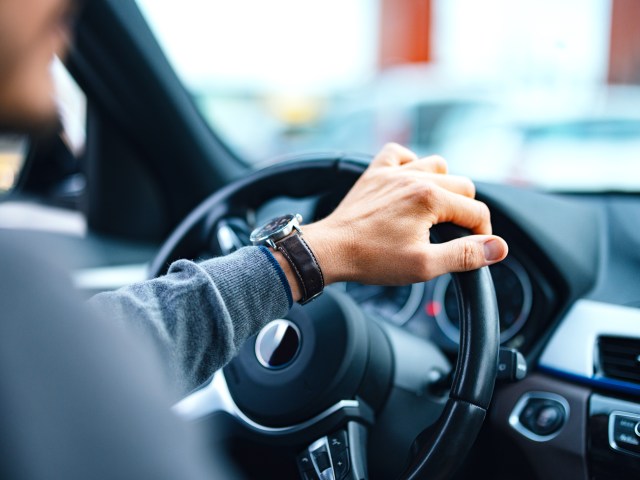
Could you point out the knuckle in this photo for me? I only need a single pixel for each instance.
(392, 148)
(469, 188)
(426, 192)
(390, 154)
(402, 182)
(400, 151)
(386, 153)
(438, 159)
(438, 163)
(422, 267)
(469, 256)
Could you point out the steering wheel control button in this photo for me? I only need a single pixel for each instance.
(328, 463)
(341, 464)
(338, 447)
(305, 466)
(512, 365)
(278, 344)
(322, 459)
(338, 442)
(540, 416)
(624, 432)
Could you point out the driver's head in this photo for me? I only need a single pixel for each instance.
(31, 33)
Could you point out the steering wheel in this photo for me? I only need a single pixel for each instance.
(327, 385)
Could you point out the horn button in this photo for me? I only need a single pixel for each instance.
(277, 344)
(298, 366)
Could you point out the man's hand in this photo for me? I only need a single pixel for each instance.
(379, 234)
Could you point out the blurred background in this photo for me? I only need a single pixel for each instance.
(540, 92)
(533, 92)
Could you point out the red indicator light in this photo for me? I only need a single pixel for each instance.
(433, 308)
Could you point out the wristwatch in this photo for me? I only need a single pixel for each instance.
(284, 235)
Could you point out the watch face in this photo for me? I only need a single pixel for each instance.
(271, 228)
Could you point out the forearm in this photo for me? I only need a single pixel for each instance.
(199, 314)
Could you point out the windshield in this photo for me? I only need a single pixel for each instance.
(533, 92)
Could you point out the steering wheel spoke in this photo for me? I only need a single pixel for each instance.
(215, 398)
(231, 234)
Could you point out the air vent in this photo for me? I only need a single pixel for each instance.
(620, 358)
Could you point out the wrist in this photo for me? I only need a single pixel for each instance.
(331, 248)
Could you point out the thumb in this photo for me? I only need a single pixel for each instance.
(466, 253)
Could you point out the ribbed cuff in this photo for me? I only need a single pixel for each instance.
(281, 274)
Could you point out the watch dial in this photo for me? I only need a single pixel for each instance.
(271, 227)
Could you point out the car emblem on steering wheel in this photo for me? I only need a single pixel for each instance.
(278, 344)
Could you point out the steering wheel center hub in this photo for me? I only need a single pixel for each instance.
(278, 344)
(303, 364)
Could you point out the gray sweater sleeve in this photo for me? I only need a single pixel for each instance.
(200, 314)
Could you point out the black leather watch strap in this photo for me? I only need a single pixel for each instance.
(304, 265)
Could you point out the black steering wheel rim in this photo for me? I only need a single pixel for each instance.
(440, 451)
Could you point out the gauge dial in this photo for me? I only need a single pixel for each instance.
(394, 304)
(513, 292)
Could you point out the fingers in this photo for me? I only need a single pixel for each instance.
(454, 183)
(447, 206)
(464, 254)
(431, 164)
(393, 154)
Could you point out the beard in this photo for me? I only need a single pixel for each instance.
(38, 126)
(27, 101)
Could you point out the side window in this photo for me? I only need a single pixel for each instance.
(72, 105)
(13, 150)
(55, 175)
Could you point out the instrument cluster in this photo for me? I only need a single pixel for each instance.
(430, 309)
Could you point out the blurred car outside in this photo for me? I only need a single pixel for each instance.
(587, 137)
